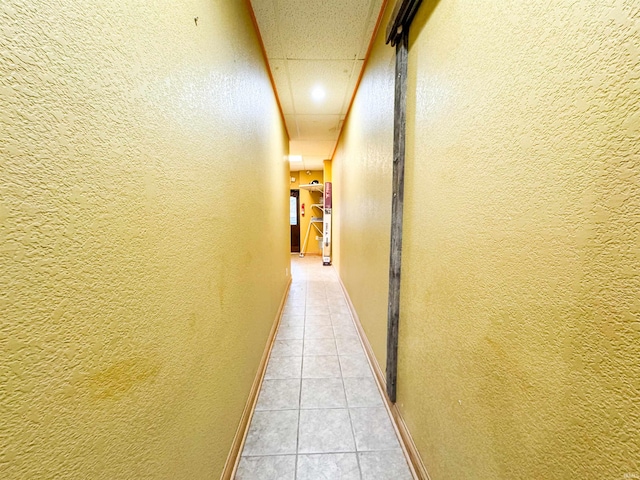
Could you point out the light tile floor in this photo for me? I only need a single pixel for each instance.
(319, 414)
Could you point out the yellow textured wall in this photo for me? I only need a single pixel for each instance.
(521, 288)
(520, 309)
(362, 195)
(326, 172)
(135, 302)
(309, 198)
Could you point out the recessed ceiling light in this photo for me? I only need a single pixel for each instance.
(295, 158)
(318, 93)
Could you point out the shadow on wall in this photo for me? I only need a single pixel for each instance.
(425, 11)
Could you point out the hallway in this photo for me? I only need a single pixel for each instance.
(148, 154)
(319, 414)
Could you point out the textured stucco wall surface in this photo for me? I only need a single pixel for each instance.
(362, 171)
(137, 285)
(520, 309)
(520, 313)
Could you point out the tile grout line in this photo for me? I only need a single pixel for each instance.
(304, 321)
(317, 408)
(324, 453)
(346, 400)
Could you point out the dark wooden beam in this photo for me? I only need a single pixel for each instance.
(401, 18)
(397, 203)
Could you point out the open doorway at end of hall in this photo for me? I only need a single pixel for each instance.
(294, 220)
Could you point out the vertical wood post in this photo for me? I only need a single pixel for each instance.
(397, 204)
(398, 36)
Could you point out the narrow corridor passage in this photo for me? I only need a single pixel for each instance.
(319, 414)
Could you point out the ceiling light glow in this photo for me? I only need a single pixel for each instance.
(318, 93)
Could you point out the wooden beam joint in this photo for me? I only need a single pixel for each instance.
(401, 18)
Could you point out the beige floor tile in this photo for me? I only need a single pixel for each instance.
(318, 320)
(349, 345)
(339, 319)
(317, 302)
(339, 309)
(272, 433)
(373, 429)
(333, 466)
(384, 465)
(322, 393)
(287, 348)
(362, 392)
(317, 310)
(294, 310)
(325, 431)
(290, 333)
(345, 331)
(321, 367)
(292, 321)
(279, 394)
(320, 346)
(281, 467)
(283, 367)
(318, 331)
(354, 366)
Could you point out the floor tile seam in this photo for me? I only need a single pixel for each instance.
(337, 453)
(270, 455)
(308, 408)
(333, 452)
(356, 451)
(319, 355)
(295, 472)
(353, 430)
(277, 410)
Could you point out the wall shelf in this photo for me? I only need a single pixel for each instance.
(324, 219)
(313, 187)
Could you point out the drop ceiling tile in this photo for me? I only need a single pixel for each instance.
(267, 19)
(321, 148)
(327, 29)
(281, 79)
(333, 75)
(292, 126)
(351, 86)
(318, 127)
(314, 163)
(376, 6)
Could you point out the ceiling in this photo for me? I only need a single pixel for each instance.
(316, 50)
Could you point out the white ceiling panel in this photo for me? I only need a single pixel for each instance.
(351, 86)
(281, 79)
(318, 127)
(322, 29)
(292, 126)
(265, 12)
(310, 43)
(374, 13)
(309, 163)
(315, 148)
(333, 76)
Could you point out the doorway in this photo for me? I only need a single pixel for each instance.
(294, 220)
